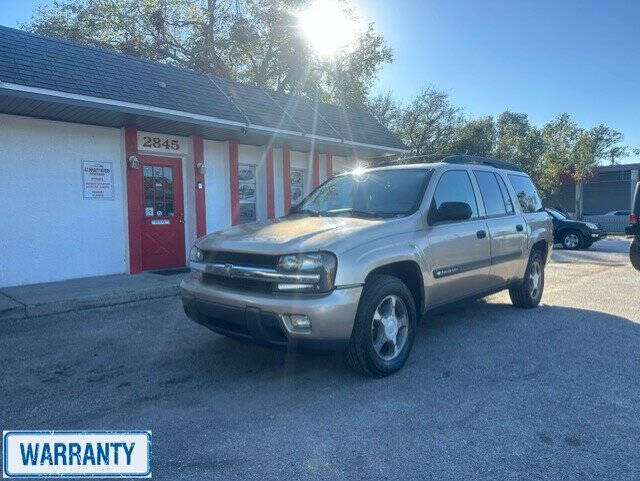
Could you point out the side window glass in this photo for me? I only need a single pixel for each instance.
(505, 196)
(526, 192)
(491, 195)
(455, 186)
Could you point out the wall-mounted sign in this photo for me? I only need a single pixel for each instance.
(167, 144)
(97, 180)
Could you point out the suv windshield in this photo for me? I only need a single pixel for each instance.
(374, 193)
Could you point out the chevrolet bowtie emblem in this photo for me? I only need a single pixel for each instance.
(228, 269)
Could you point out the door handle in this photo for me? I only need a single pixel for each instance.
(481, 234)
(519, 227)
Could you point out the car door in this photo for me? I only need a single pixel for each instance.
(507, 236)
(458, 250)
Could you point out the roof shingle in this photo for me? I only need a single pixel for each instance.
(36, 61)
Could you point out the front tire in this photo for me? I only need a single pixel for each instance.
(528, 292)
(384, 327)
(572, 239)
(634, 253)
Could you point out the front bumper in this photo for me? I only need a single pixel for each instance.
(255, 315)
(596, 235)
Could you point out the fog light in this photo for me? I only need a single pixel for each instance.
(297, 322)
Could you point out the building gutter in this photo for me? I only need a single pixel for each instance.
(178, 115)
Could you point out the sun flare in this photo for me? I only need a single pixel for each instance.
(328, 27)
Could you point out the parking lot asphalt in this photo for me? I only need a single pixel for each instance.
(489, 392)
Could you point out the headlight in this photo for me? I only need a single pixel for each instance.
(321, 263)
(196, 255)
(590, 225)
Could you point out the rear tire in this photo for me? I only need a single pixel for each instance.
(380, 345)
(572, 239)
(528, 292)
(634, 253)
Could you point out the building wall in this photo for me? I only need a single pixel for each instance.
(598, 197)
(217, 200)
(49, 232)
(342, 164)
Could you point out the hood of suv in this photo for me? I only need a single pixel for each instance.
(286, 235)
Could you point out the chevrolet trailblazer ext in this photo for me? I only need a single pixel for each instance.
(360, 259)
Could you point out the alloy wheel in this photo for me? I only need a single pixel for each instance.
(389, 327)
(571, 241)
(535, 279)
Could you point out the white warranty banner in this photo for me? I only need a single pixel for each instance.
(77, 454)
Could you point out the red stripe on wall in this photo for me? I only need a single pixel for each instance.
(286, 179)
(271, 210)
(201, 207)
(134, 201)
(316, 169)
(329, 166)
(233, 182)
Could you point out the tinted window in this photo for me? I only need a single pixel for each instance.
(455, 186)
(376, 192)
(505, 196)
(491, 195)
(526, 193)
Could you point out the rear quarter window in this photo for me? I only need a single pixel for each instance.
(526, 192)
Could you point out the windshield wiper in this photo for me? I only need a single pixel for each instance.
(357, 212)
(314, 213)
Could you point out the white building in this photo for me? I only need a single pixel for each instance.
(113, 164)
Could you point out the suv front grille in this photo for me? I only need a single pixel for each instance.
(234, 283)
(241, 259)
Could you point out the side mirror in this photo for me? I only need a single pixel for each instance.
(451, 211)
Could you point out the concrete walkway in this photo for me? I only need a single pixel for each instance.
(76, 294)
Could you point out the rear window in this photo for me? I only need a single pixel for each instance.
(494, 202)
(526, 192)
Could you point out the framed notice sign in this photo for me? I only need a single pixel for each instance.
(97, 180)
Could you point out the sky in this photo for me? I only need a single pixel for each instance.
(538, 57)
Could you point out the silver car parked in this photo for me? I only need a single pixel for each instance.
(359, 261)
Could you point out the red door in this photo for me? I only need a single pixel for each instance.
(163, 213)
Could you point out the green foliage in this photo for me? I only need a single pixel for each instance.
(254, 41)
(475, 137)
(428, 124)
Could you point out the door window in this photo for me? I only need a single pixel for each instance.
(455, 186)
(491, 195)
(526, 192)
(158, 191)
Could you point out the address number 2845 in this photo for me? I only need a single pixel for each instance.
(160, 143)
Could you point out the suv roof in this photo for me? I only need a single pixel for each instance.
(478, 160)
(434, 160)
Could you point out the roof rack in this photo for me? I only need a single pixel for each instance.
(476, 159)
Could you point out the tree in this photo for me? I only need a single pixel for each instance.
(254, 41)
(520, 142)
(428, 124)
(591, 147)
(559, 136)
(607, 140)
(385, 109)
(474, 137)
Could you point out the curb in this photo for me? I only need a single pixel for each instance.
(21, 311)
